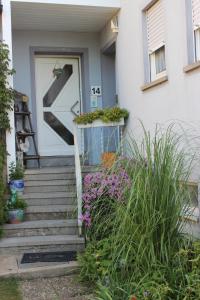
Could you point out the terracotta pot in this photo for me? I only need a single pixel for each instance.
(108, 159)
(15, 216)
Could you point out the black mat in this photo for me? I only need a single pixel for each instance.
(65, 256)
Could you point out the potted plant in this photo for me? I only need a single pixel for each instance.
(16, 174)
(15, 208)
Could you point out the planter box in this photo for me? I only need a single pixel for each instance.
(99, 123)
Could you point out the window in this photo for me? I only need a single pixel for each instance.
(156, 40)
(157, 63)
(196, 28)
(197, 44)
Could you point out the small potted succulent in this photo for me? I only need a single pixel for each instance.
(15, 208)
(16, 174)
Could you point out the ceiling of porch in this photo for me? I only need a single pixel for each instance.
(59, 17)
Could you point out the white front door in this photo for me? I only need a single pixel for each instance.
(57, 92)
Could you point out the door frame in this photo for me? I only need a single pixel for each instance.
(83, 55)
(79, 89)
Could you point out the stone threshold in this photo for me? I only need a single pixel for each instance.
(10, 267)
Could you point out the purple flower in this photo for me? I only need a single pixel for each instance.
(99, 185)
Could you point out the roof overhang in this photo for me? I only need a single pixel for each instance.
(63, 15)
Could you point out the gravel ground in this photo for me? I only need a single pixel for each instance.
(59, 288)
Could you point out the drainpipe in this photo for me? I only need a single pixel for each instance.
(7, 39)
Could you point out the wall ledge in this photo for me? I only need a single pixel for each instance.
(154, 83)
(191, 67)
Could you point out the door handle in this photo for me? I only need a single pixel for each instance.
(75, 113)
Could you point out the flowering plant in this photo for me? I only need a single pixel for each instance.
(101, 190)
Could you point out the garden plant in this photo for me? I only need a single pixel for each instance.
(6, 105)
(136, 247)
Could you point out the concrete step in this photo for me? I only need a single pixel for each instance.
(19, 245)
(50, 188)
(49, 176)
(53, 198)
(56, 161)
(54, 195)
(51, 201)
(60, 170)
(10, 267)
(41, 228)
(39, 183)
(53, 212)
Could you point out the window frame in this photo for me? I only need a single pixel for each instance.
(152, 60)
(197, 44)
(149, 57)
(191, 36)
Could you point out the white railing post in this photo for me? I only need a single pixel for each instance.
(78, 178)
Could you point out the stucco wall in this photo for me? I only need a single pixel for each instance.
(176, 100)
(23, 40)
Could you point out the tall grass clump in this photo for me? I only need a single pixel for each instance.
(149, 227)
(146, 255)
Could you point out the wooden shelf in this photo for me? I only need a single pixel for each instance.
(25, 134)
(31, 157)
(22, 113)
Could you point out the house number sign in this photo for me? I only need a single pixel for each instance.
(96, 90)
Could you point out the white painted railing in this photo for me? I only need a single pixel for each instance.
(78, 171)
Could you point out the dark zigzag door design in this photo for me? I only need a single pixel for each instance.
(50, 98)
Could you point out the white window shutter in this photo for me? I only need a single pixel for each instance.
(156, 26)
(196, 13)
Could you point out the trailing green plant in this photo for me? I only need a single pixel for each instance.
(6, 105)
(114, 114)
(149, 256)
(2, 183)
(6, 92)
(16, 171)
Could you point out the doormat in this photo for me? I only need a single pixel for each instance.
(65, 256)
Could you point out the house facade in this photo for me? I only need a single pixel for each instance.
(141, 54)
(75, 56)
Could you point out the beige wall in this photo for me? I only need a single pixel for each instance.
(179, 98)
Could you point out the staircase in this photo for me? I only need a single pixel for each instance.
(51, 216)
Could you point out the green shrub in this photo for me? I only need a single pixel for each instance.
(95, 261)
(6, 105)
(6, 92)
(2, 184)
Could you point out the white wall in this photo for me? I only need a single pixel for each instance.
(177, 99)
